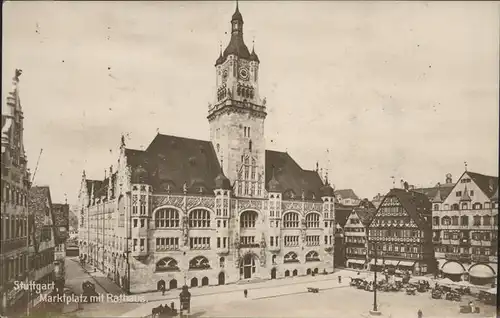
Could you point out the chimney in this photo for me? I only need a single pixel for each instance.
(402, 184)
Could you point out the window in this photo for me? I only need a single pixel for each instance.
(142, 222)
(464, 206)
(436, 207)
(291, 240)
(445, 220)
(199, 218)
(486, 220)
(167, 218)
(248, 219)
(312, 220)
(291, 220)
(199, 243)
(477, 206)
(222, 260)
(199, 262)
(312, 240)
(454, 220)
(435, 221)
(454, 207)
(458, 193)
(218, 242)
(248, 241)
(291, 257)
(477, 220)
(312, 256)
(464, 220)
(167, 243)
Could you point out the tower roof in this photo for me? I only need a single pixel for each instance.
(438, 198)
(465, 195)
(236, 45)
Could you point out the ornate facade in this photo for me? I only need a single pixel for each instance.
(401, 232)
(196, 212)
(14, 257)
(356, 236)
(465, 225)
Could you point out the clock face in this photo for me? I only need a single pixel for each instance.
(244, 73)
(225, 74)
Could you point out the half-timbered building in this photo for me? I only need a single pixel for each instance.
(401, 232)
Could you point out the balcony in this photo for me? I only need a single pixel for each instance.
(222, 250)
(436, 240)
(249, 245)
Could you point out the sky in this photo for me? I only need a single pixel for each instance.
(371, 90)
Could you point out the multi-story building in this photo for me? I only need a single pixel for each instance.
(60, 212)
(356, 236)
(342, 212)
(14, 251)
(465, 225)
(42, 234)
(196, 212)
(347, 197)
(401, 231)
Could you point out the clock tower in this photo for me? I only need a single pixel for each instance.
(237, 115)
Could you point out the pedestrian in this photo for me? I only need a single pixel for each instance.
(419, 314)
(340, 279)
(163, 290)
(245, 292)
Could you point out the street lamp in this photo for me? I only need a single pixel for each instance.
(374, 311)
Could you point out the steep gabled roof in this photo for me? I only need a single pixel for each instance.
(347, 194)
(487, 184)
(342, 213)
(416, 204)
(365, 215)
(291, 176)
(431, 193)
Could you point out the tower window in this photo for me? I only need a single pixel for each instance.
(250, 145)
(248, 131)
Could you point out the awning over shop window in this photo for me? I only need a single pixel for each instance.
(391, 262)
(481, 271)
(406, 263)
(453, 268)
(356, 261)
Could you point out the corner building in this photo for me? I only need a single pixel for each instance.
(196, 212)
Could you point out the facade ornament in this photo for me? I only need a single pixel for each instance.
(184, 188)
(264, 102)
(303, 195)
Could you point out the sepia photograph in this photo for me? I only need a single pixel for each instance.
(270, 159)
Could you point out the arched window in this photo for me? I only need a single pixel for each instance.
(436, 207)
(222, 261)
(290, 257)
(199, 262)
(312, 220)
(167, 218)
(446, 220)
(464, 206)
(274, 259)
(477, 206)
(248, 219)
(167, 264)
(312, 256)
(291, 220)
(454, 207)
(199, 218)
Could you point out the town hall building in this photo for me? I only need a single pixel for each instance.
(196, 212)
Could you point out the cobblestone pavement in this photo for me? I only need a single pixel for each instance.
(341, 302)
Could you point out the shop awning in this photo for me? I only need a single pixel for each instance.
(481, 271)
(453, 268)
(356, 261)
(406, 263)
(391, 262)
